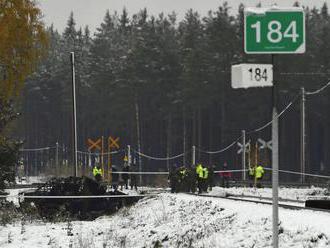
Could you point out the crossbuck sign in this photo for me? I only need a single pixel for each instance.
(247, 147)
(265, 145)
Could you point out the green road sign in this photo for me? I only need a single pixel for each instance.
(274, 30)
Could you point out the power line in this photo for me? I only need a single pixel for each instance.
(319, 90)
(222, 150)
(158, 158)
(278, 116)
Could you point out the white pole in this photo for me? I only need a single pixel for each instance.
(56, 160)
(193, 155)
(243, 155)
(275, 161)
(303, 137)
(129, 154)
(275, 178)
(74, 117)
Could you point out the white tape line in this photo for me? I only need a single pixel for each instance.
(146, 173)
(36, 149)
(299, 173)
(166, 173)
(100, 154)
(79, 196)
(230, 171)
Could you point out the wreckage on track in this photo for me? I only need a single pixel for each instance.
(76, 197)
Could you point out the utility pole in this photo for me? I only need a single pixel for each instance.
(102, 154)
(275, 160)
(303, 137)
(193, 159)
(129, 155)
(74, 116)
(56, 160)
(243, 155)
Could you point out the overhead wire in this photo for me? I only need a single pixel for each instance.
(221, 150)
(158, 158)
(276, 117)
(319, 90)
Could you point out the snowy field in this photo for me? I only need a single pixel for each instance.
(178, 220)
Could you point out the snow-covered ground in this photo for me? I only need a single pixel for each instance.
(32, 179)
(178, 220)
(300, 194)
(13, 193)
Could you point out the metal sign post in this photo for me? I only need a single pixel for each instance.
(243, 155)
(303, 137)
(112, 143)
(271, 31)
(74, 117)
(243, 148)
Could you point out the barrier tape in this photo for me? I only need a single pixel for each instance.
(166, 173)
(299, 173)
(36, 149)
(74, 196)
(220, 171)
(146, 173)
(100, 154)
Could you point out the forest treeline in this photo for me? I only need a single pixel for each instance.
(165, 85)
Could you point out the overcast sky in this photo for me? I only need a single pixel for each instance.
(91, 12)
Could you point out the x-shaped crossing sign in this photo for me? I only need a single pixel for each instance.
(94, 144)
(247, 147)
(264, 144)
(113, 142)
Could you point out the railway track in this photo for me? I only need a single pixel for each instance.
(263, 200)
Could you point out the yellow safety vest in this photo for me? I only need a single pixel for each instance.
(259, 172)
(97, 171)
(251, 171)
(205, 173)
(199, 170)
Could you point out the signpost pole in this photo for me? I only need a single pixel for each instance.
(303, 138)
(243, 155)
(275, 162)
(274, 31)
(109, 164)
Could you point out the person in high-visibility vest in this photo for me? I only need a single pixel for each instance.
(199, 173)
(125, 175)
(259, 173)
(205, 178)
(97, 173)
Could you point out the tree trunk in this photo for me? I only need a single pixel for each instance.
(199, 126)
(169, 143)
(184, 133)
